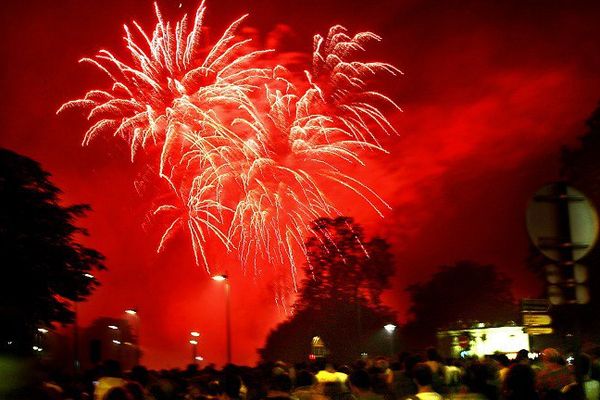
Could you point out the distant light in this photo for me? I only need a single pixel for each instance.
(9, 342)
(481, 325)
(128, 343)
(194, 333)
(194, 342)
(89, 276)
(113, 327)
(116, 341)
(39, 349)
(131, 311)
(220, 278)
(312, 357)
(199, 358)
(390, 328)
(42, 330)
(35, 348)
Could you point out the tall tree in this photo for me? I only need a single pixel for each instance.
(467, 292)
(581, 166)
(343, 266)
(340, 297)
(44, 268)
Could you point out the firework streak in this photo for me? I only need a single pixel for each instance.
(249, 149)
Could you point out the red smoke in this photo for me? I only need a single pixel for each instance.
(490, 93)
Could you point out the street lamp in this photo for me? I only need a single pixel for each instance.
(225, 278)
(76, 363)
(390, 329)
(194, 344)
(116, 339)
(134, 313)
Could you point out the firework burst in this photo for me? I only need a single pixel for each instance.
(249, 153)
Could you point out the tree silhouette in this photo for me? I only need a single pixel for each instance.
(340, 295)
(44, 267)
(467, 292)
(581, 166)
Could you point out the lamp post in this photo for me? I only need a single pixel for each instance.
(225, 278)
(194, 343)
(134, 314)
(390, 329)
(76, 363)
(116, 342)
(40, 341)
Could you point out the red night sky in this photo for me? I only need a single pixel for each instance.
(491, 92)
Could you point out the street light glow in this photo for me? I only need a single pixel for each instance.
(131, 311)
(90, 276)
(42, 330)
(116, 341)
(113, 327)
(194, 342)
(390, 328)
(199, 358)
(219, 278)
(195, 334)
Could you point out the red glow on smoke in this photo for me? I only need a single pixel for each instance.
(491, 92)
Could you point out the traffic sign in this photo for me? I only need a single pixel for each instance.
(531, 319)
(561, 221)
(545, 330)
(535, 305)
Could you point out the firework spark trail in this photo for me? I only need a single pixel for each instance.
(248, 152)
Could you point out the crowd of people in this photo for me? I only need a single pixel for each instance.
(410, 376)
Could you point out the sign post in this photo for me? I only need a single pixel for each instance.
(563, 224)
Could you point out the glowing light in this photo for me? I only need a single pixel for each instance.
(194, 342)
(199, 358)
(219, 278)
(390, 328)
(113, 327)
(42, 330)
(249, 153)
(90, 276)
(195, 334)
(117, 342)
(131, 311)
